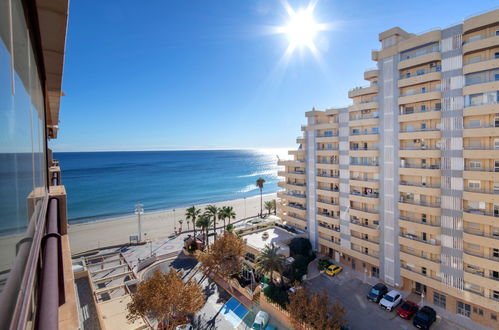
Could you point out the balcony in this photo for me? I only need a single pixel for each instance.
(367, 210)
(423, 57)
(419, 152)
(410, 270)
(483, 64)
(292, 186)
(420, 203)
(290, 162)
(479, 42)
(482, 259)
(364, 182)
(420, 207)
(412, 114)
(418, 188)
(364, 228)
(488, 240)
(481, 217)
(292, 197)
(427, 76)
(292, 174)
(364, 105)
(358, 91)
(418, 225)
(420, 259)
(419, 96)
(480, 278)
(419, 170)
(329, 230)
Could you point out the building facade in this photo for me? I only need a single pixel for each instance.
(402, 184)
(37, 288)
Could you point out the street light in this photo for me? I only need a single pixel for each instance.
(139, 210)
(245, 207)
(174, 222)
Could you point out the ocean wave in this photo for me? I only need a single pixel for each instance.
(248, 188)
(261, 173)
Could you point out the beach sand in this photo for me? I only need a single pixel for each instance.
(98, 234)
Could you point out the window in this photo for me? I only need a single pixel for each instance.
(439, 299)
(408, 74)
(496, 55)
(423, 126)
(375, 271)
(475, 164)
(478, 311)
(423, 270)
(463, 309)
(474, 184)
(423, 108)
(420, 72)
(493, 317)
(423, 90)
(495, 253)
(423, 218)
(474, 123)
(495, 295)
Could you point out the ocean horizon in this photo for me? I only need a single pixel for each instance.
(107, 184)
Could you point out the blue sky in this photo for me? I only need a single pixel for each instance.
(207, 74)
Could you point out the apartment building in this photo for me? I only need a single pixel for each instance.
(404, 183)
(36, 280)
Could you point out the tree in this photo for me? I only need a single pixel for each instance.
(229, 213)
(268, 206)
(224, 257)
(191, 214)
(204, 222)
(212, 212)
(166, 298)
(180, 222)
(313, 311)
(259, 184)
(270, 261)
(221, 215)
(274, 206)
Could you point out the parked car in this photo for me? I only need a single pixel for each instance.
(261, 320)
(424, 318)
(391, 300)
(334, 270)
(407, 309)
(377, 292)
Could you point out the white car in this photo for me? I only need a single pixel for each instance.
(391, 300)
(261, 320)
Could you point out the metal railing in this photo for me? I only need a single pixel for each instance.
(328, 215)
(419, 148)
(417, 239)
(364, 133)
(408, 112)
(482, 59)
(358, 223)
(355, 193)
(481, 255)
(421, 256)
(425, 71)
(482, 191)
(417, 92)
(420, 203)
(432, 129)
(328, 135)
(427, 167)
(436, 224)
(404, 183)
(364, 179)
(420, 53)
(365, 209)
(479, 37)
(481, 169)
(477, 104)
(480, 126)
(482, 234)
(374, 115)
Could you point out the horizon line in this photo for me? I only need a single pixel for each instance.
(180, 149)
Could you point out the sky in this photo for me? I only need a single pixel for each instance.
(157, 75)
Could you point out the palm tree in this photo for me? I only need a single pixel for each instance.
(229, 212)
(192, 213)
(270, 261)
(274, 206)
(222, 214)
(180, 223)
(212, 212)
(187, 222)
(259, 184)
(204, 222)
(268, 206)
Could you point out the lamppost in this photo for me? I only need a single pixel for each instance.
(245, 207)
(139, 210)
(174, 222)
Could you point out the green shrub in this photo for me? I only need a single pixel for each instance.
(300, 246)
(278, 295)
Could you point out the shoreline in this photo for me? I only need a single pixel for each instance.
(98, 218)
(86, 236)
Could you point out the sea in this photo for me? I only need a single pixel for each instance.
(102, 185)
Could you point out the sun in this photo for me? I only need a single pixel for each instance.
(301, 28)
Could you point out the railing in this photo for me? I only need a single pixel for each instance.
(482, 191)
(480, 255)
(427, 167)
(366, 239)
(332, 148)
(327, 162)
(436, 224)
(329, 189)
(375, 115)
(361, 149)
(364, 164)
(295, 195)
(481, 169)
(296, 172)
(417, 92)
(421, 53)
(362, 87)
(417, 239)
(364, 133)
(420, 273)
(471, 232)
(328, 135)
(419, 148)
(329, 227)
(420, 203)
(355, 193)
(481, 59)
(479, 37)
(295, 217)
(328, 176)
(296, 206)
(365, 209)
(478, 82)
(433, 129)
(358, 223)
(374, 255)
(421, 256)
(425, 71)
(480, 148)
(403, 183)
(364, 179)
(327, 202)
(480, 126)
(374, 99)
(477, 104)
(408, 112)
(328, 215)
(296, 184)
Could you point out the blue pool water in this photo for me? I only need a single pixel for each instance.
(234, 311)
(108, 184)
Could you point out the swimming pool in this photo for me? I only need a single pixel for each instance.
(234, 311)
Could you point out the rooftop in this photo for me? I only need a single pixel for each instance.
(276, 236)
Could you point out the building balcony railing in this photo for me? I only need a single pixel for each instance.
(429, 129)
(374, 115)
(482, 191)
(295, 184)
(364, 179)
(325, 214)
(296, 217)
(479, 126)
(481, 169)
(481, 255)
(473, 60)
(424, 167)
(420, 203)
(328, 135)
(418, 221)
(337, 229)
(365, 209)
(294, 195)
(374, 99)
(356, 193)
(332, 148)
(479, 37)
(480, 273)
(420, 255)
(419, 148)
(478, 82)
(327, 202)
(328, 176)
(480, 212)
(417, 92)
(371, 254)
(361, 149)
(422, 185)
(411, 111)
(480, 148)
(421, 273)
(296, 206)
(420, 53)
(480, 103)
(296, 172)
(327, 162)
(422, 72)
(364, 133)
(364, 164)
(358, 223)
(417, 239)
(366, 239)
(482, 234)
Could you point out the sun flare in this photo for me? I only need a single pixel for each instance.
(301, 28)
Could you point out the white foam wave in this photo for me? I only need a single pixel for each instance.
(248, 188)
(267, 172)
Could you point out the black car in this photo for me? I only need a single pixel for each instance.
(424, 318)
(377, 292)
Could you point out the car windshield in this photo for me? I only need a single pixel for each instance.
(374, 291)
(389, 298)
(406, 307)
(257, 326)
(423, 316)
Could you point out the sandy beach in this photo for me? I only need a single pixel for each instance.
(88, 236)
